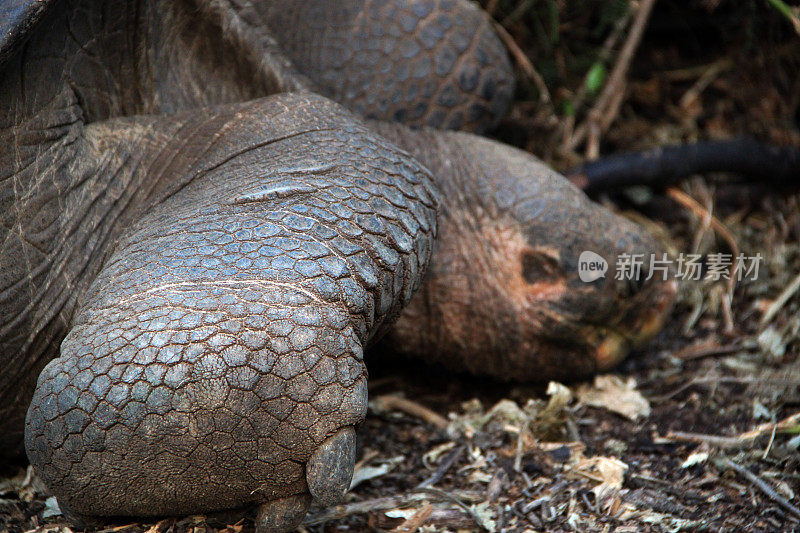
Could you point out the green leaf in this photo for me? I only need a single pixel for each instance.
(595, 77)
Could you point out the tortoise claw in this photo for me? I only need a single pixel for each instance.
(284, 514)
(329, 470)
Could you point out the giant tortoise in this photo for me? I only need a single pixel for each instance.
(212, 208)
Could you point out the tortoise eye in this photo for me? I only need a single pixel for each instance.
(538, 266)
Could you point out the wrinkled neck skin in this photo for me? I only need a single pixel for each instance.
(502, 296)
(72, 195)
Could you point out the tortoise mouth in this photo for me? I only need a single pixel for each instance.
(607, 343)
(638, 325)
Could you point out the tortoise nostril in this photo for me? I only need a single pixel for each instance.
(538, 266)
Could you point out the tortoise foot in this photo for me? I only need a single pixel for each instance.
(329, 471)
(217, 360)
(281, 515)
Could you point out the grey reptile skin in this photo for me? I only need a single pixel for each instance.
(198, 248)
(438, 62)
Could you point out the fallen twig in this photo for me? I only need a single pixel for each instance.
(712, 349)
(691, 204)
(383, 504)
(718, 441)
(525, 64)
(452, 498)
(520, 8)
(580, 94)
(699, 381)
(710, 74)
(604, 112)
(782, 425)
(781, 300)
(447, 462)
(759, 483)
(723, 231)
(388, 402)
(769, 444)
(742, 440)
(666, 486)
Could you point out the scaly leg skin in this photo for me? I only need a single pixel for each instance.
(216, 361)
(420, 62)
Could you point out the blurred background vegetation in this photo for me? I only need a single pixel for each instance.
(701, 69)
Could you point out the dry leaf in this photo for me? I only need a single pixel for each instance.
(432, 455)
(608, 471)
(413, 522)
(695, 459)
(51, 508)
(611, 393)
(486, 513)
(376, 470)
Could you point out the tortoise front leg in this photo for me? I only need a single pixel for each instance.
(217, 359)
(420, 62)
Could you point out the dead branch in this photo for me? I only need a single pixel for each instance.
(526, 65)
(388, 402)
(760, 484)
(603, 111)
(781, 300)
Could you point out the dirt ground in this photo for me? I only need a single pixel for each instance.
(700, 430)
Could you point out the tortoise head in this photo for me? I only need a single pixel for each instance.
(524, 281)
(590, 285)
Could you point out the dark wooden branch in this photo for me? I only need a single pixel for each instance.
(778, 165)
